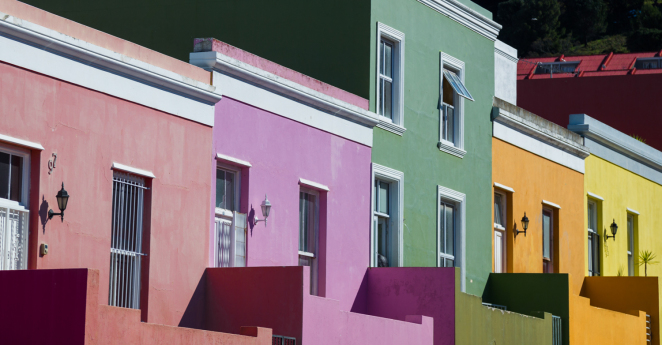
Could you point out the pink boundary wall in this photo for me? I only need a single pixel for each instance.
(59, 307)
(281, 152)
(212, 44)
(102, 39)
(277, 297)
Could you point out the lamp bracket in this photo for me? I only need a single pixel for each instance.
(51, 214)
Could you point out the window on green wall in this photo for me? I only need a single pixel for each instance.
(390, 78)
(452, 94)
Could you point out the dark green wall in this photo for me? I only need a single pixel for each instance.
(327, 40)
(531, 293)
(425, 167)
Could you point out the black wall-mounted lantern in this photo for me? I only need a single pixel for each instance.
(62, 200)
(614, 228)
(525, 225)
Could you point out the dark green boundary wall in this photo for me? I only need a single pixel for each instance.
(531, 294)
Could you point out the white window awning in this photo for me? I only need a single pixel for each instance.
(457, 84)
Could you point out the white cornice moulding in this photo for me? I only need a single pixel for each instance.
(391, 127)
(595, 196)
(549, 203)
(224, 64)
(21, 142)
(499, 185)
(465, 16)
(113, 64)
(632, 211)
(313, 185)
(233, 161)
(141, 172)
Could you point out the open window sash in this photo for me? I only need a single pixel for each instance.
(457, 84)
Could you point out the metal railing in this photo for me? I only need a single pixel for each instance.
(557, 330)
(126, 241)
(282, 340)
(13, 237)
(649, 331)
(495, 306)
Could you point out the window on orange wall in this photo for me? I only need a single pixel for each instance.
(499, 232)
(547, 241)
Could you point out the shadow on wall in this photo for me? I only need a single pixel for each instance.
(194, 315)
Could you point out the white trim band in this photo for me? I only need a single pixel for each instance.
(551, 204)
(595, 196)
(313, 185)
(466, 16)
(136, 171)
(499, 185)
(632, 211)
(57, 55)
(310, 255)
(233, 161)
(21, 142)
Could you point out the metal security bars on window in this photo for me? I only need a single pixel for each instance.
(230, 241)
(13, 238)
(281, 340)
(557, 330)
(126, 241)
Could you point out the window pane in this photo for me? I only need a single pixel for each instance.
(302, 221)
(16, 178)
(450, 230)
(381, 60)
(374, 195)
(590, 253)
(450, 125)
(388, 99)
(547, 233)
(591, 216)
(388, 60)
(381, 96)
(449, 263)
(310, 228)
(448, 93)
(630, 233)
(497, 209)
(220, 188)
(382, 243)
(457, 84)
(4, 175)
(229, 191)
(383, 197)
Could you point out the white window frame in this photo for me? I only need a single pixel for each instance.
(630, 245)
(397, 125)
(457, 148)
(314, 268)
(501, 229)
(226, 215)
(25, 179)
(594, 233)
(458, 199)
(396, 179)
(237, 190)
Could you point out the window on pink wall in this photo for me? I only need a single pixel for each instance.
(308, 234)
(230, 225)
(14, 213)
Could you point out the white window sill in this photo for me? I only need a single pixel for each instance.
(448, 148)
(388, 125)
(592, 231)
(499, 227)
(310, 255)
(223, 212)
(14, 205)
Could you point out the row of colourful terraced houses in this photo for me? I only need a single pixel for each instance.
(228, 199)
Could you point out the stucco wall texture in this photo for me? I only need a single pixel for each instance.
(622, 189)
(535, 179)
(415, 153)
(281, 152)
(89, 131)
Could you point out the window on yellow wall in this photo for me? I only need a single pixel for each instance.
(631, 253)
(499, 232)
(593, 240)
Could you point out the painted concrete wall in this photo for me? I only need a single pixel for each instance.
(416, 153)
(625, 328)
(634, 293)
(89, 131)
(535, 179)
(585, 96)
(279, 297)
(505, 72)
(60, 307)
(621, 189)
(281, 152)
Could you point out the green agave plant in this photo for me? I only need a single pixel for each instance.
(647, 257)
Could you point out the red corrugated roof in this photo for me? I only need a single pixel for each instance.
(590, 65)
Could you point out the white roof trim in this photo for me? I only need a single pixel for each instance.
(499, 185)
(549, 203)
(224, 64)
(61, 46)
(595, 196)
(314, 185)
(145, 173)
(21, 142)
(465, 16)
(232, 160)
(632, 211)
